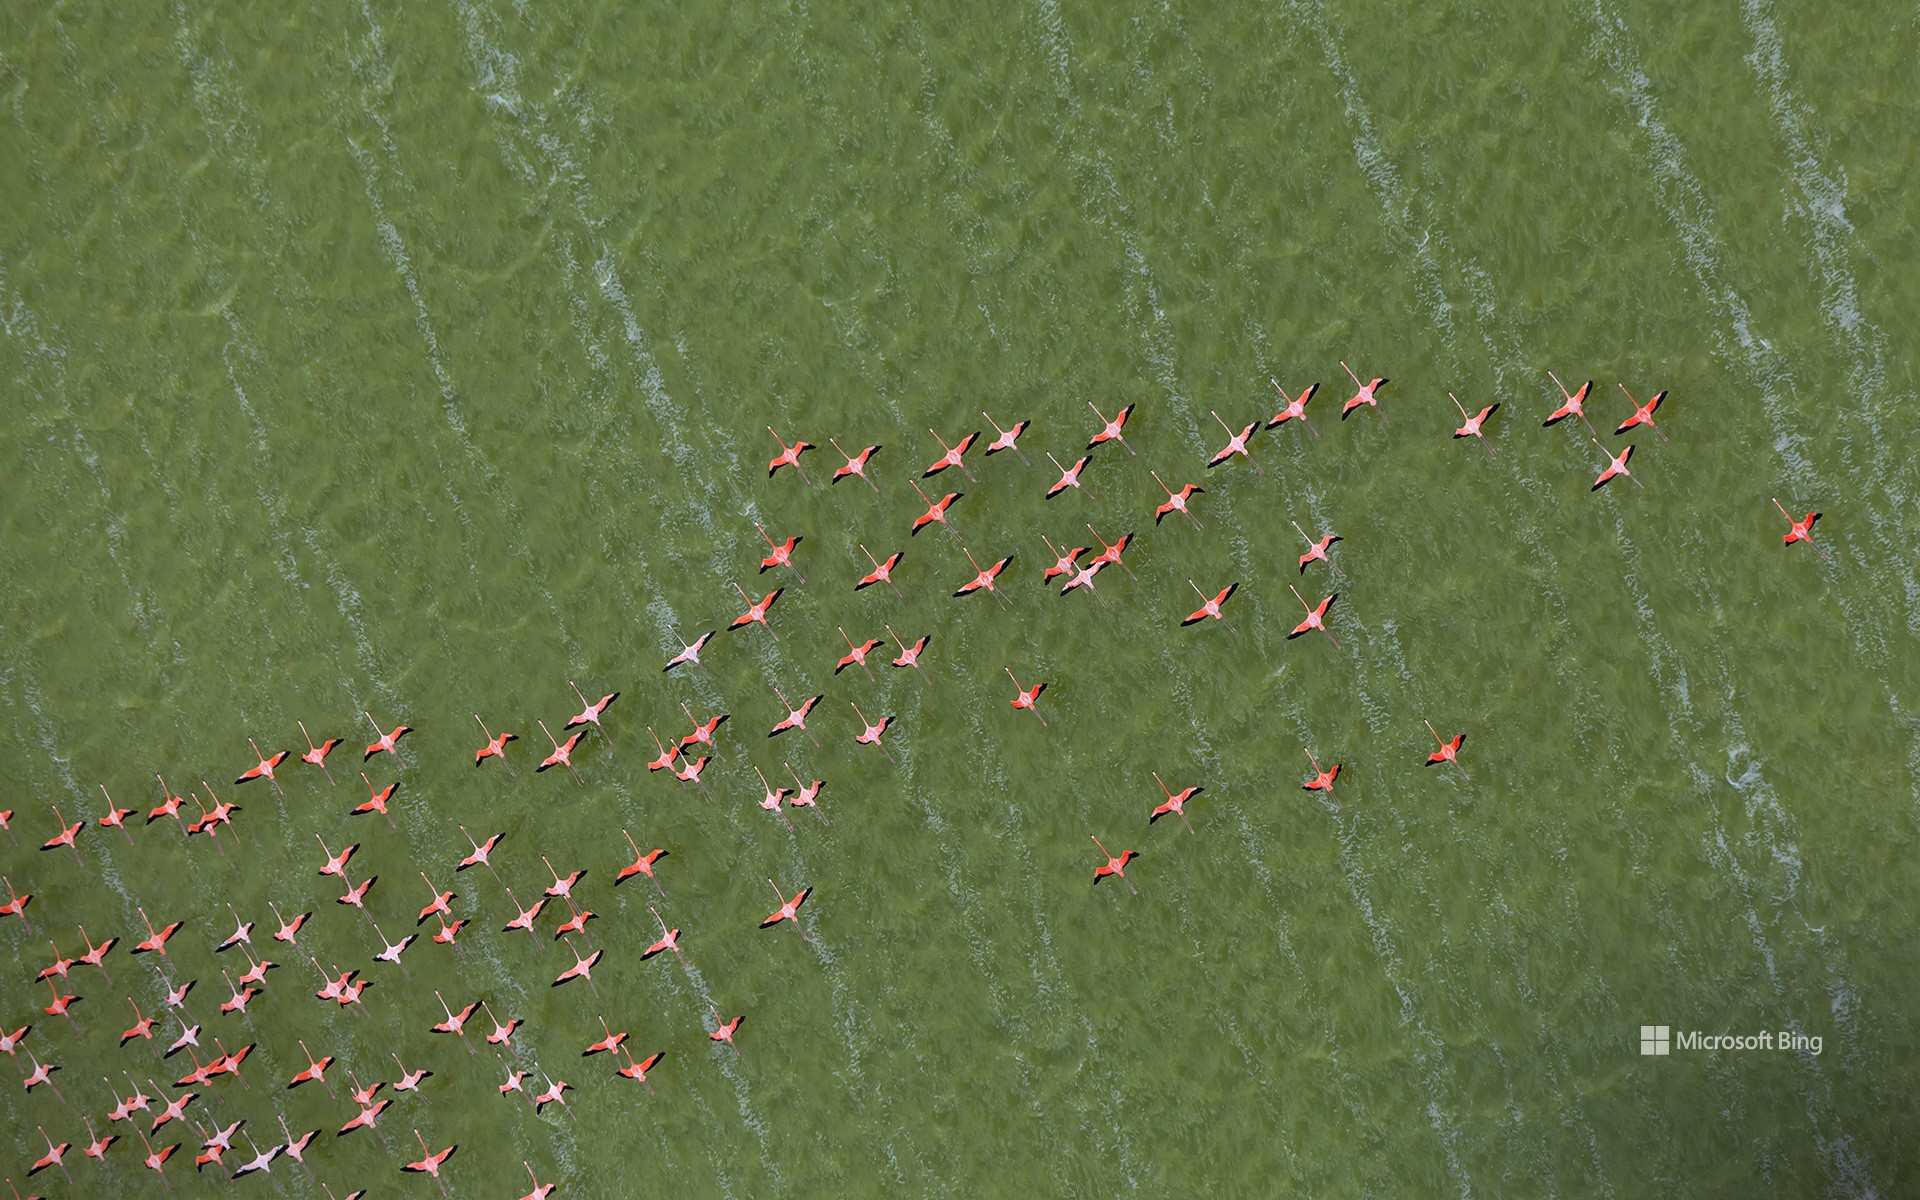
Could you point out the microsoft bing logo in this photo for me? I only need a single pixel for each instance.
(1654, 1039)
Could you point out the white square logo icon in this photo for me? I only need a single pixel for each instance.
(1654, 1039)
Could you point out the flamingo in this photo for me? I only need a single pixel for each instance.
(218, 1144)
(1317, 551)
(1115, 866)
(480, 852)
(669, 939)
(807, 796)
(1177, 805)
(97, 1146)
(541, 1191)
(288, 930)
(156, 1160)
(317, 755)
(502, 1030)
(366, 1118)
(11, 1041)
(1316, 617)
(703, 731)
(611, 1042)
(576, 924)
(1069, 476)
(1798, 531)
(882, 571)
(1236, 444)
(856, 655)
(376, 800)
(526, 917)
(638, 1070)
(1007, 438)
(62, 1002)
(562, 888)
(642, 865)
(242, 995)
(562, 754)
(316, 1071)
(242, 932)
(1027, 696)
(142, 1026)
(667, 753)
(985, 577)
(16, 905)
(782, 555)
(1064, 562)
(430, 1162)
(1111, 554)
(262, 1159)
(872, 732)
(42, 1073)
(1364, 396)
(1448, 751)
(1110, 430)
(496, 747)
(1572, 408)
(789, 910)
(52, 1157)
(789, 456)
(952, 456)
(189, 1036)
(409, 1081)
(582, 968)
(116, 817)
(725, 1031)
(555, 1091)
(1472, 426)
(156, 942)
(1294, 409)
(856, 464)
(691, 774)
(1210, 608)
(1084, 578)
(1176, 501)
(65, 836)
(771, 801)
(796, 717)
(59, 967)
(296, 1147)
(935, 512)
(439, 903)
(263, 769)
(1642, 413)
(454, 1024)
(689, 653)
(169, 806)
(172, 1110)
(756, 611)
(1322, 781)
(387, 741)
(910, 655)
(336, 863)
(1616, 465)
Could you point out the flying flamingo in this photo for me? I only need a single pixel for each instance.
(756, 612)
(1472, 426)
(1642, 413)
(642, 865)
(386, 741)
(669, 939)
(1616, 465)
(1572, 408)
(263, 769)
(479, 856)
(59, 967)
(935, 512)
(1069, 476)
(796, 717)
(689, 653)
(169, 806)
(1027, 696)
(189, 1036)
(62, 1002)
(156, 1160)
(562, 755)
(582, 968)
(872, 733)
(1007, 438)
(1236, 444)
(910, 655)
(1115, 866)
(6, 823)
(590, 713)
(541, 1191)
(43, 1073)
(556, 1089)
(409, 1081)
(116, 817)
(1322, 781)
(771, 801)
(1177, 805)
(430, 1162)
(667, 753)
(97, 1146)
(638, 1070)
(856, 464)
(1799, 531)
(1176, 501)
(789, 456)
(1111, 554)
(296, 1147)
(366, 1118)
(952, 457)
(1110, 430)
(242, 995)
(703, 731)
(218, 1144)
(789, 910)
(262, 1159)
(1210, 608)
(171, 1110)
(882, 571)
(1448, 751)
(10, 1042)
(1364, 396)
(142, 1026)
(376, 800)
(527, 916)
(985, 577)
(496, 747)
(288, 930)
(440, 903)
(317, 755)
(65, 836)
(1316, 617)
(242, 932)
(782, 555)
(807, 796)
(1084, 578)
(726, 1030)
(52, 1157)
(455, 1025)
(1295, 409)
(336, 863)
(562, 888)
(16, 905)
(1317, 551)
(856, 655)
(95, 954)
(156, 942)
(691, 774)
(611, 1042)
(316, 1071)
(1064, 562)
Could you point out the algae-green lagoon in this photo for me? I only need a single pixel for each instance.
(418, 360)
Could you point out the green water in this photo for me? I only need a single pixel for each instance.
(418, 359)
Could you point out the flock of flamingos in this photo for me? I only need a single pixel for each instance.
(156, 1105)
